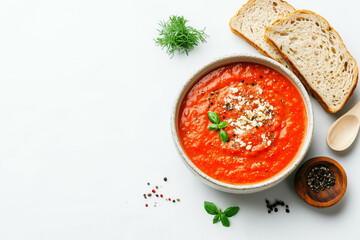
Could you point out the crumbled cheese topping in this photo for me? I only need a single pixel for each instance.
(256, 113)
(234, 90)
(255, 117)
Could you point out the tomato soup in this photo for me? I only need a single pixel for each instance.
(267, 123)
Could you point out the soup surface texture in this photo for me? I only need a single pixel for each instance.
(266, 118)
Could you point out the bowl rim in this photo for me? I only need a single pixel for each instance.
(223, 61)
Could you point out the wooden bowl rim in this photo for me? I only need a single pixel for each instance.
(299, 176)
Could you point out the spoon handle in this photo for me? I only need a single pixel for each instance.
(355, 110)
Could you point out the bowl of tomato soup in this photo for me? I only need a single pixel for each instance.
(242, 123)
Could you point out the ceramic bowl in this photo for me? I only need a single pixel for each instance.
(248, 188)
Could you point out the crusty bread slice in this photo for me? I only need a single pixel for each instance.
(252, 19)
(317, 55)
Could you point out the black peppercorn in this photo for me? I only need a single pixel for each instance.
(320, 178)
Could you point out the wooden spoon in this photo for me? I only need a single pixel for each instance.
(327, 197)
(343, 131)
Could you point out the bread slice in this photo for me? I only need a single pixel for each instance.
(252, 19)
(317, 55)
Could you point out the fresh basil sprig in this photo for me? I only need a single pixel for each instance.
(211, 209)
(214, 118)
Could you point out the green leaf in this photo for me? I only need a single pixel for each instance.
(210, 208)
(231, 211)
(214, 127)
(223, 125)
(224, 220)
(223, 136)
(216, 218)
(213, 117)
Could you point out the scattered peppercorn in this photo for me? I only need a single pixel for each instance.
(154, 192)
(261, 76)
(229, 107)
(274, 206)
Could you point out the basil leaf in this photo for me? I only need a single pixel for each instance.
(213, 117)
(223, 125)
(210, 208)
(213, 127)
(231, 211)
(224, 220)
(216, 218)
(223, 136)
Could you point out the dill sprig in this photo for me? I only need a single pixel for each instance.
(175, 36)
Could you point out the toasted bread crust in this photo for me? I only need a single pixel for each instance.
(298, 73)
(262, 51)
(252, 43)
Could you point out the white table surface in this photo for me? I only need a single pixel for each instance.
(85, 100)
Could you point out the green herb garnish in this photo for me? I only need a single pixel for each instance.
(220, 215)
(214, 118)
(175, 36)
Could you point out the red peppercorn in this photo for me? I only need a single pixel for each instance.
(146, 205)
(169, 199)
(161, 195)
(153, 191)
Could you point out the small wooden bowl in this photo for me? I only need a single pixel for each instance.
(327, 197)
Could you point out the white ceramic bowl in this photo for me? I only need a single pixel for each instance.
(248, 188)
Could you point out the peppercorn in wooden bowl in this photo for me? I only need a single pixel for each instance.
(321, 182)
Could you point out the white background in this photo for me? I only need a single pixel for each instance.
(85, 101)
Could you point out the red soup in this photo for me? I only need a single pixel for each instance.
(266, 119)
